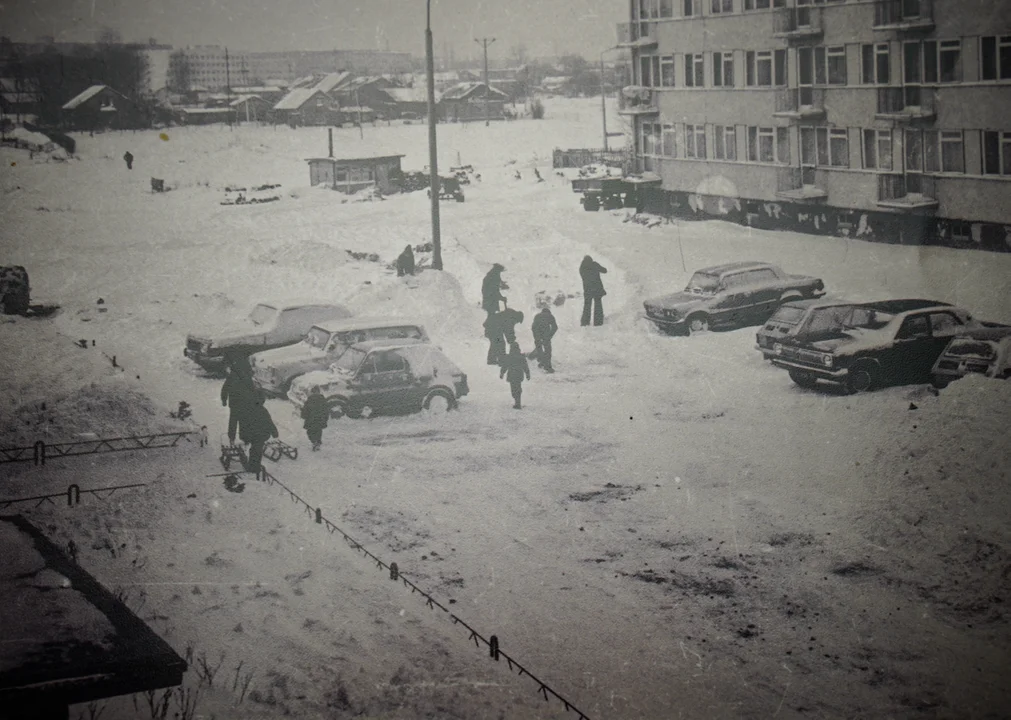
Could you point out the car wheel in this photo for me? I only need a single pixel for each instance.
(860, 379)
(805, 380)
(698, 323)
(438, 402)
(939, 382)
(338, 410)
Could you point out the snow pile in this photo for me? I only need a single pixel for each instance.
(302, 254)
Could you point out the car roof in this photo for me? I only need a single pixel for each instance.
(734, 266)
(388, 344)
(817, 302)
(366, 323)
(908, 305)
(990, 333)
(292, 304)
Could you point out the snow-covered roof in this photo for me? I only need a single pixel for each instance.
(411, 94)
(29, 138)
(332, 80)
(463, 90)
(555, 80)
(297, 98)
(204, 111)
(303, 82)
(84, 97)
(254, 89)
(243, 98)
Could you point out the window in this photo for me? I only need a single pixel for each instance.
(756, 4)
(943, 324)
(876, 64)
(390, 362)
(721, 6)
(667, 71)
(996, 152)
(761, 144)
(914, 327)
(669, 141)
(995, 58)
(914, 151)
(830, 65)
(725, 142)
(931, 61)
(694, 71)
(780, 67)
(833, 147)
(651, 139)
(666, 8)
(649, 70)
(878, 149)
(912, 66)
(723, 69)
(950, 60)
(759, 68)
(783, 145)
(695, 141)
(952, 151)
(689, 8)
(763, 276)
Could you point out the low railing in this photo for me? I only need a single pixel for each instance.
(896, 186)
(795, 100)
(788, 178)
(907, 100)
(802, 20)
(637, 98)
(897, 13)
(636, 33)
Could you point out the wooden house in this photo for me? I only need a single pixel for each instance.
(465, 102)
(304, 106)
(102, 108)
(349, 175)
(250, 108)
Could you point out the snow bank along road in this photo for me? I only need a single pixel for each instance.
(669, 528)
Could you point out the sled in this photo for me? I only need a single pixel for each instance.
(274, 449)
(230, 451)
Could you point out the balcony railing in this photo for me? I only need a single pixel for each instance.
(800, 103)
(911, 191)
(905, 104)
(800, 184)
(637, 100)
(797, 23)
(636, 34)
(903, 14)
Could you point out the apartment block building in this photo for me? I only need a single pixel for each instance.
(882, 118)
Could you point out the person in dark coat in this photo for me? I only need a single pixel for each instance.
(496, 338)
(256, 429)
(315, 413)
(593, 290)
(405, 263)
(491, 289)
(508, 320)
(128, 157)
(514, 369)
(238, 394)
(544, 328)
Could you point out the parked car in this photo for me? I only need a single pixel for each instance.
(273, 370)
(385, 376)
(269, 325)
(787, 320)
(866, 345)
(449, 188)
(986, 351)
(737, 293)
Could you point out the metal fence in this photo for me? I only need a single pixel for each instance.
(40, 451)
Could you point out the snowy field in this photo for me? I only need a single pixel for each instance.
(670, 528)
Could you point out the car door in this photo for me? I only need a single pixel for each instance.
(732, 302)
(392, 382)
(943, 327)
(767, 288)
(911, 356)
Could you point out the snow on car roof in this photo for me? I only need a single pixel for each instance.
(292, 304)
(728, 267)
(388, 344)
(362, 323)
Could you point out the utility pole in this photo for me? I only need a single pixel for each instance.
(433, 170)
(228, 90)
(487, 88)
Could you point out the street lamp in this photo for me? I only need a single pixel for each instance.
(603, 107)
(433, 169)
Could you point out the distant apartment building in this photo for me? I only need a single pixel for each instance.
(885, 118)
(210, 67)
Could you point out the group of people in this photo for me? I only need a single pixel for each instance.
(246, 413)
(500, 325)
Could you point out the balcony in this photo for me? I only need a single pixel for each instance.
(797, 23)
(904, 15)
(637, 35)
(637, 100)
(800, 104)
(905, 104)
(909, 192)
(800, 184)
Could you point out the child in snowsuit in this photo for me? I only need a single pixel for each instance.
(256, 429)
(128, 158)
(544, 328)
(238, 394)
(514, 369)
(405, 263)
(315, 413)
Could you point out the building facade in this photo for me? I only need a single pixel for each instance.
(886, 118)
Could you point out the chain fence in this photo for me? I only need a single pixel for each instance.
(40, 451)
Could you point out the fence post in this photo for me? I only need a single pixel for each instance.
(394, 572)
(493, 647)
(319, 516)
(73, 495)
(40, 452)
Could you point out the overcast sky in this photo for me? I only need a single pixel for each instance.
(545, 27)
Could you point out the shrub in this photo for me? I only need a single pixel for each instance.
(537, 110)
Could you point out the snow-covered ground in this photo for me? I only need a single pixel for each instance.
(670, 527)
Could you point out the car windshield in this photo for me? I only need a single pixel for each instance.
(975, 348)
(703, 284)
(317, 337)
(844, 317)
(349, 361)
(263, 314)
(787, 315)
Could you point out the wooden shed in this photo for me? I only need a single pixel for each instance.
(349, 175)
(99, 108)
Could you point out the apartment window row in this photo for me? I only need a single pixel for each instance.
(762, 144)
(936, 151)
(762, 68)
(662, 9)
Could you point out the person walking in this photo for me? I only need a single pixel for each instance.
(128, 157)
(496, 338)
(256, 429)
(491, 289)
(544, 328)
(593, 290)
(315, 412)
(514, 369)
(405, 262)
(237, 394)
